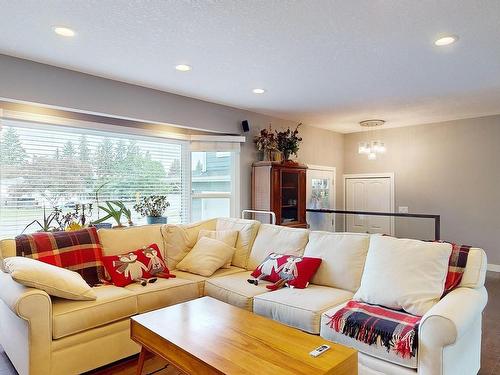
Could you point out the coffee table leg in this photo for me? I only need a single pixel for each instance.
(140, 363)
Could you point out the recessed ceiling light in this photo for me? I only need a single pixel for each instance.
(64, 31)
(446, 40)
(183, 68)
(258, 91)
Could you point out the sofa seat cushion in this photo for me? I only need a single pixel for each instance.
(235, 289)
(112, 304)
(200, 280)
(375, 350)
(300, 308)
(163, 293)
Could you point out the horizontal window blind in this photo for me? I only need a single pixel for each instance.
(43, 166)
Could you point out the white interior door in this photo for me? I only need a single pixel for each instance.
(373, 194)
(320, 191)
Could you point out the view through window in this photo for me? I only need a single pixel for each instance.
(42, 167)
(211, 184)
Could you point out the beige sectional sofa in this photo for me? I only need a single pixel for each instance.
(47, 335)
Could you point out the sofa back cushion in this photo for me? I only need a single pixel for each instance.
(277, 239)
(247, 231)
(180, 239)
(475, 270)
(343, 255)
(404, 274)
(123, 240)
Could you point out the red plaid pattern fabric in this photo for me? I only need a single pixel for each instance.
(456, 267)
(397, 331)
(79, 251)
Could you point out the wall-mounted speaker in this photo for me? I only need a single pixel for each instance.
(245, 126)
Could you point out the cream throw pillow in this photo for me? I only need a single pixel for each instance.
(56, 281)
(229, 237)
(206, 257)
(404, 274)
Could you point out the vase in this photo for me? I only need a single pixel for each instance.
(102, 225)
(276, 156)
(156, 219)
(286, 155)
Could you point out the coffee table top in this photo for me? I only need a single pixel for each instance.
(230, 340)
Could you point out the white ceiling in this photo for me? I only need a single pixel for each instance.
(327, 63)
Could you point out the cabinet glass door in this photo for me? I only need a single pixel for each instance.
(289, 196)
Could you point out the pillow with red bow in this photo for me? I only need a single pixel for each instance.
(285, 270)
(142, 265)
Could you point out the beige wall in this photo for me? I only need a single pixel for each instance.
(451, 169)
(32, 82)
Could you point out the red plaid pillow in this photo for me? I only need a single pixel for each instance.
(136, 265)
(79, 251)
(296, 271)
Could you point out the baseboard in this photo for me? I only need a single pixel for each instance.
(494, 267)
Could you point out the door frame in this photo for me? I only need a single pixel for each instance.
(389, 175)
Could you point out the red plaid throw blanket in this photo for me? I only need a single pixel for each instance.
(456, 267)
(79, 251)
(395, 330)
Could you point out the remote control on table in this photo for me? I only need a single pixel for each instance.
(319, 350)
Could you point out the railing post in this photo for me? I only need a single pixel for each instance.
(437, 228)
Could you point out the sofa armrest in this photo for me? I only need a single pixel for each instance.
(25, 326)
(23, 301)
(450, 318)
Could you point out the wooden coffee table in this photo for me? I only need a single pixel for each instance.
(206, 336)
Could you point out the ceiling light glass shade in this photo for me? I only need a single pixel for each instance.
(377, 147)
(371, 149)
(258, 91)
(363, 148)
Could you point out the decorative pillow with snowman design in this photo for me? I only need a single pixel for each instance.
(283, 269)
(136, 266)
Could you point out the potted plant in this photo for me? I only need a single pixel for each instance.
(114, 210)
(288, 142)
(153, 207)
(266, 143)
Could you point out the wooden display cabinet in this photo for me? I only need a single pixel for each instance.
(281, 188)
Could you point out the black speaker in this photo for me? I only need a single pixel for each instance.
(245, 126)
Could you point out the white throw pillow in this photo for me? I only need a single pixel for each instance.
(404, 274)
(206, 257)
(229, 237)
(56, 281)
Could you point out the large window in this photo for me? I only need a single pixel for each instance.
(44, 166)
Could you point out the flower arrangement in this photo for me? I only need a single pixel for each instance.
(152, 206)
(288, 141)
(266, 142)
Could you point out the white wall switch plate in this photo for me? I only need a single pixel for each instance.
(403, 209)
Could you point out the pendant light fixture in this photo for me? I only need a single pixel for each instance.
(373, 147)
